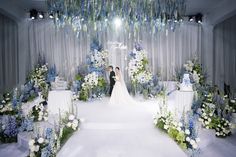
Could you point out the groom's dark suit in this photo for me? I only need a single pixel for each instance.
(112, 81)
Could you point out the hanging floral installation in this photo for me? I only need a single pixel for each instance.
(157, 14)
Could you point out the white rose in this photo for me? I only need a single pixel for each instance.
(166, 127)
(31, 142)
(68, 124)
(187, 132)
(40, 140)
(36, 148)
(31, 148)
(187, 139)
(71, 117)
(180, 124)
(192, 142)
(200, 119)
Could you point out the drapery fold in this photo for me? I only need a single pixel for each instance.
(224, 67)
(8, 53)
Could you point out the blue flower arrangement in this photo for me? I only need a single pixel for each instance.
(26, 124)
(8, 131)
(92, 85)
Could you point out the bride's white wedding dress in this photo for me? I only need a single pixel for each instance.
(120, 94)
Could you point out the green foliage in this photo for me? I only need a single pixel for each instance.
(67, 133)
(160, 123)
(78, 77)
(84, 95)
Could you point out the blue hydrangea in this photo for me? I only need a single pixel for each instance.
(11, 127)
(26, 124)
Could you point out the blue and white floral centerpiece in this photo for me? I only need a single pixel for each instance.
(94, 83)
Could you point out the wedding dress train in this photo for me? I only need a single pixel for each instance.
(120, 94)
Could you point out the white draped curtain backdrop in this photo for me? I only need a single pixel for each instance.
(167, 50)
(224, 67)
(8, 53)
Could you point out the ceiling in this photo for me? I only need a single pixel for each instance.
(193, 6)
(203, 6)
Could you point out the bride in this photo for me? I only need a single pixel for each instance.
(120, 94)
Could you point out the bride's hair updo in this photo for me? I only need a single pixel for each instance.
(118, 68)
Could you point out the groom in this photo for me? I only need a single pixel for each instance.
(112, 79)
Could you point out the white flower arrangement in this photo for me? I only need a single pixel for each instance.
(72, 122)
(210, 120)
(137, 67)
(90, 81)
(39, 112)
(38, 77)
(144, 77)
(40, 146)
(195, 71)
(180, 133)
(6, 104)
(6, 108)
(98, 58)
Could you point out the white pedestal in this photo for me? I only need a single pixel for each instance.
(59, 101)
(184, 101)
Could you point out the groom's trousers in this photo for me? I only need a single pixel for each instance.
(111, 88)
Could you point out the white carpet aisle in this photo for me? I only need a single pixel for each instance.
(119, 131)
